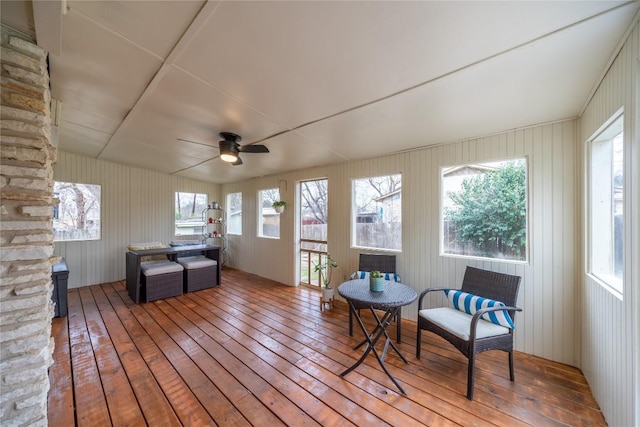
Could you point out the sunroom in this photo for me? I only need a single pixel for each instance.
(373, 110)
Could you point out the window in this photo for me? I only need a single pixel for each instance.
(606, 205)
(484, 210)
(268, 219)
(234, 213)
(189, 208)
(77, 216)
(377, 212)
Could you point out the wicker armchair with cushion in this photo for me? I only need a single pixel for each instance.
(481, 318)
(384, 264)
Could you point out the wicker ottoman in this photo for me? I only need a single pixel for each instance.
(160, 279)
(199, 273)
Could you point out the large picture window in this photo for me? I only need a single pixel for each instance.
(234, 213)
(268, 218)
(606, 205)
(77, 216)
(484, 210)
(189, 208)
(377, 212)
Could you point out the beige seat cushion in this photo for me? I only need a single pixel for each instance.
(199, 261)
(149, 245)
(153, 268)
(459, 323)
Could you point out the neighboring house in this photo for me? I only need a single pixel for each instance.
(390, 206)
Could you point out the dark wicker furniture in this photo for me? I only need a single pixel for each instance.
(161, 286)
(60, 277)
(384, 264)
(486, 284)
(134, 258)
(394, 296)
(199, 273)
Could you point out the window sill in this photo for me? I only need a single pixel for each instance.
(601, 280)
(269, 237)
(366, 248)
(485, 259)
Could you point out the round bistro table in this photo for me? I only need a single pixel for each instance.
(394, 296)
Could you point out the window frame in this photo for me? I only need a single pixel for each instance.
(228, 200)
(260, 215)
(354, 214)
(441, 207)
(57, 212)
(197, 212)
(610, 282)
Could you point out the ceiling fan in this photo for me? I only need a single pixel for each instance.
(230, 149)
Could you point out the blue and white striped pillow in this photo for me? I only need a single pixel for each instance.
(470, 303)
(387, 276)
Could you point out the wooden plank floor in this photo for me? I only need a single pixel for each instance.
(255, 352)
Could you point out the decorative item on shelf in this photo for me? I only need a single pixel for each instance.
(376, 281)
(325, 268)
(214, 205)
(279, 205)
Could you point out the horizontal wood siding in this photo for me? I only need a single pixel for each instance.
(609, 350)
(137, 206)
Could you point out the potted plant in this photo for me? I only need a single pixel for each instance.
(325, 268)
(376, 281)
(279, 205)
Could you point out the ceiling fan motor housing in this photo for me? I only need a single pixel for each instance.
(230, 136)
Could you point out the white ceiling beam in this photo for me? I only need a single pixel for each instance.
(47, 16)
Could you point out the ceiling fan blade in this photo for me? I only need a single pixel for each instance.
(258, 148)
(237, 162)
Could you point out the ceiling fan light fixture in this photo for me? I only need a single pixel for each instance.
(228, 157)
(228, 151)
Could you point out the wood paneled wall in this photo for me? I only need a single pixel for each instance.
(548, 325)
(611, 327)
(137, 206)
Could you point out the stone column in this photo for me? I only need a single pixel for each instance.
(26, 237)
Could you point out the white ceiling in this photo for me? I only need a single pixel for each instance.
(333, 81)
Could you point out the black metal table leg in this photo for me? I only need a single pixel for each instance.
(371, 339)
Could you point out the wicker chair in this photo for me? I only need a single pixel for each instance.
(471, 334)
(385, 264)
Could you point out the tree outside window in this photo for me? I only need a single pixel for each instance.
(77, 216)
(377, 212)
(485, 210)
